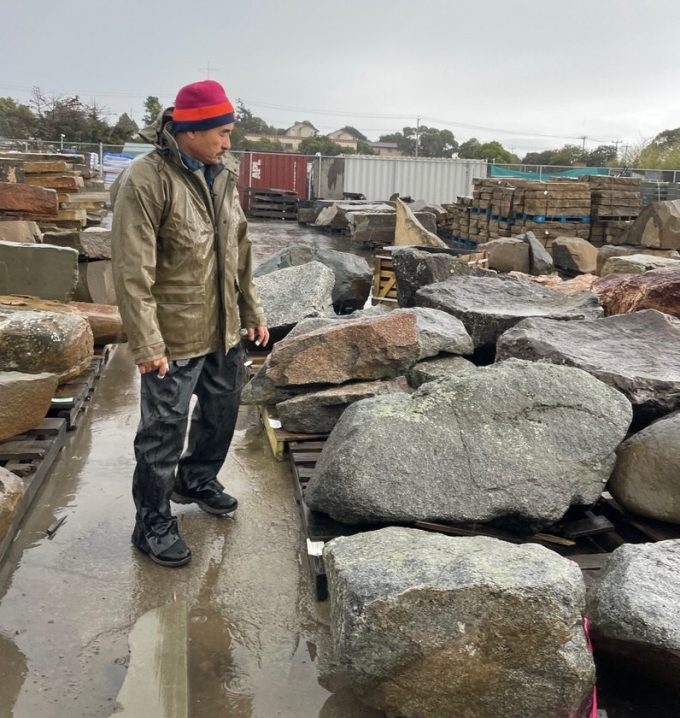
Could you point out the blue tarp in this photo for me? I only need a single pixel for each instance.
(495, 171)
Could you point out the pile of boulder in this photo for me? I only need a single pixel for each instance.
(499, 399)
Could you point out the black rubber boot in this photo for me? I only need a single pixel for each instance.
(210, 498)
(162, 544)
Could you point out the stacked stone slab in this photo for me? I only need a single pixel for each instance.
(24, 401)
(615, 204)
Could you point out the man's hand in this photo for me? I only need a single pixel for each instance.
(259, 335)
(159, 365)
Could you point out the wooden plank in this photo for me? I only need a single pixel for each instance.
(23, 198)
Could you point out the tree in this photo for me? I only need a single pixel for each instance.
(432, 142)
(152, 108)
(601, 156)
(123, 130)
(663, 152)
(565, 156)
(16, 121)
(492, 151)
(405, 144)
(322, 144)
(469, 149)
(364, 148)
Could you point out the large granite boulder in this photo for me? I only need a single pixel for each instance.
(37, 342)
(415, 268)
(636, 353)
(658, 225)
(409, 231)
(623, 293)
(262, 390)
(24, 401)
(637, 264)
(622, 250)
(439, 367)
(646, 479)
(508, 254)
(574, 255)
(488, 306)
(579, 283)
(353, 275)
(11, 492)
(292, 294)
(318, 412)
(520, 441)
(364, 349)
(635, 611)
(429, 626)
(40, 270)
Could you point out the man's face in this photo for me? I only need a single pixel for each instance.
(208, 146)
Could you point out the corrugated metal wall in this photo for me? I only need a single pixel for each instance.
(274, 171)
(434, 180)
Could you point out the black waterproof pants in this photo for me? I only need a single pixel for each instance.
(216, 380)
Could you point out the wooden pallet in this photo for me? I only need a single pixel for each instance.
(280, 440)
(30, 456)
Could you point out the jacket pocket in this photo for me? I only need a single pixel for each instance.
(179, 294)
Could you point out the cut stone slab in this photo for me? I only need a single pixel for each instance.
(646, 479)
(104, 320)
(415, 268)
(440, 367)
(24, 198)
(318, 412)
(607, 251)
(637, 263)
(40, 270)
(296, 293)
(580, 283)
(365, 349)
(37, 342)
(11, 492)
(88, 244)
(353, 275)
(623, 293)
(574, 255)
(24, 401)
(488, 306)
(21, 231)
(379, 229)
(410, 232)
(518, 441)
(430, 626)
(157, 681)
(95, 283)
(658, 225)
(635, 612)
(636, 353)
(508, 254)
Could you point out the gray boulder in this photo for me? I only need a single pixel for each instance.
(296, 293)
(262, 390)
(635, 611)
(90, 244)
(440, 367)
(488, 306)
(353, 275)
(646, 479)
(574, 255)
(508, 254)
(517, 440)
(430, 626)
(636, 353)
(24, 401)
(637, 264)
(39, 270)
(540, 260)
(415, 268)
(318, 412)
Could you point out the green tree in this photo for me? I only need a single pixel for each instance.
(468, 150)
(663, 152)
(405, 143)
(364, 148)
(123, 130)
(16, 121)
(436, 143)
(152, 108)
(601, 156)
(321, 144)
(565, 156)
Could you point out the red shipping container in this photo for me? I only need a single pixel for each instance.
(272, 171)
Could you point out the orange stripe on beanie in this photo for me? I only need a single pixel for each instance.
(201, 106)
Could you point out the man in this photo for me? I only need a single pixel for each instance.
(182, 266)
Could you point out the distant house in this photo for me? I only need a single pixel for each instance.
(290, 141)
(386, 149)
(344, 139)
(302, 129)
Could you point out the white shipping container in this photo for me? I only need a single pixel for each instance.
(434, 180)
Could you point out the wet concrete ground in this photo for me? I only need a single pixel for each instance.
(67, 604)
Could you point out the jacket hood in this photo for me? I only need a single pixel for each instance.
(159, 134)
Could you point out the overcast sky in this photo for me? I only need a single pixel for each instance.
(534, 74)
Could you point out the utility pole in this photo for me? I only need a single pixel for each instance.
(417, 135)
(584, 138)
(207, 69)
(616, 145)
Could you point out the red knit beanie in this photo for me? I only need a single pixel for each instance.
(201, 106)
